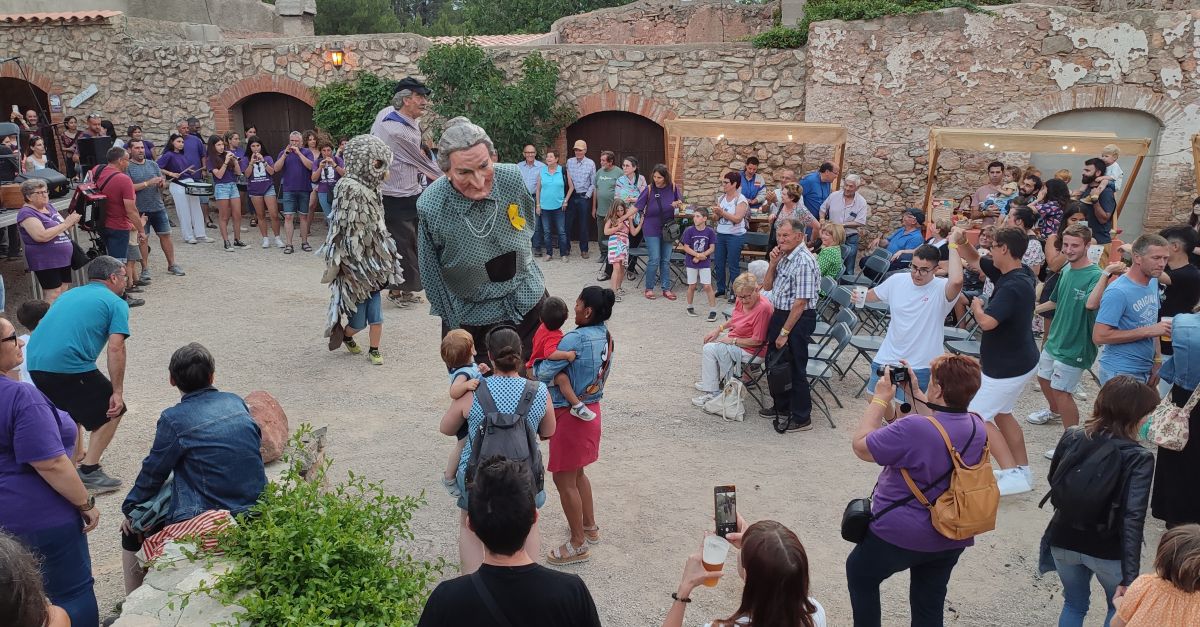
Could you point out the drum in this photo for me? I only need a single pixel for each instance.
(197, 188)
(10, 196)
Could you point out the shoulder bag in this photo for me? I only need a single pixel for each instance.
(1168, 425)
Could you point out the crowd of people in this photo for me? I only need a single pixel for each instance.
(396, 208)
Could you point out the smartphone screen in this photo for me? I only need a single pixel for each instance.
(725, 509)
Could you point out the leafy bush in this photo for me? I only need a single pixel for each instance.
(465, 81)
(347, 108)
(849, 10)
(315, 556)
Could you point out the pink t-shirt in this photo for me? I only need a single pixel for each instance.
(751, 324)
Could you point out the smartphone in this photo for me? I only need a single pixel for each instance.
(725, 509)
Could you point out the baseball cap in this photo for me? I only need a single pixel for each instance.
(916, 213)
(580, 145)
(413, 85)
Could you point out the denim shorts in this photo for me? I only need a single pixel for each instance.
(158, 222)
(270, 192)
(369, 311)
(226, 191)
(295, 202)
(116, 243)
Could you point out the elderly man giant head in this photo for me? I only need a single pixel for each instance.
(466, 155)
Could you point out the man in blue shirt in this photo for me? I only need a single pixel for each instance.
(816, 186)
(62, 356)
(1127, 324)
(904, 240)
(530, 168)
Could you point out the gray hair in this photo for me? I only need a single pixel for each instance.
(460, 134)
(295, 134)
(854, 178)
(796, 223)
(1142, 244)
(399, 97)
(102, 267)
(29, 186)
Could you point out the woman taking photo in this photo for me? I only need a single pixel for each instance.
(68, 138)
(731, 211)
(36, 159)
(903, 537)
(774, 566)
(1105, 541)
(551, 192)
(174, 166)
(657, 205)
(747, 334)
(326, 171)
(225, 170)
(576, 442)
(42, 499)
(506, 385)
(260, 187)
(44, 233)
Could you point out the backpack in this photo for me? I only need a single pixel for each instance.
(89, 201)
(968, 507)
(507, 434)
(1086, 485)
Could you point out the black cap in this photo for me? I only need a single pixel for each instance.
(411, 84)
(916, 213)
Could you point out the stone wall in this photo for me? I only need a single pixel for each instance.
(891, 79)
(663, 22)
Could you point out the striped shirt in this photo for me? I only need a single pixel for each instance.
(583, 175)
(529, 173)
(403, 135)
(796, 276)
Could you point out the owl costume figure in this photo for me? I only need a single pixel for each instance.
(360, 256)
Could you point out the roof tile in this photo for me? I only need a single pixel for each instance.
(69, 17)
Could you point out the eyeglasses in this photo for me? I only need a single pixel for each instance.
(12, 338)
(40, 192)
(920, 271)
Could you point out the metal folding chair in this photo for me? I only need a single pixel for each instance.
(850, 274)
(822, 368)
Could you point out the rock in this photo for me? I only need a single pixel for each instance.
(269, 415)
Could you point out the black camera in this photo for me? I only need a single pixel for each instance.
(899, 373)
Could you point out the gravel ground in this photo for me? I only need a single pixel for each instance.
(261, 313)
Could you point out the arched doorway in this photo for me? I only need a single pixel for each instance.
(1123, 122)
(16, 92)
(275, 115)
(626, 134)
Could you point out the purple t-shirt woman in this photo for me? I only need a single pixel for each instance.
(296, 177)
(258, 180)
(329, 176)
(175, 162)
(33, 431)
(55, 253)
(230, 175)
(655, 205)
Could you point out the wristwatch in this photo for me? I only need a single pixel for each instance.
(784, 331)
(89, 506)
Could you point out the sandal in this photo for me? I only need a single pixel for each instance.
(669, 295)
(568, 554)
(287, 250)
(592, 534)
(650, 295)
(305, 247)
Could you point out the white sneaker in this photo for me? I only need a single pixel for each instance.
(582, 412)
(700, 386)
(1028, 475)
(700, 401)
(206, 239)
(1049, 454)
(278, 242)
(1041, 417)
(266, 242)
(1012, 481)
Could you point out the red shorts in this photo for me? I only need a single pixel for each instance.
(575, 443)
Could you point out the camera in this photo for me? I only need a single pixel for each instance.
(899, 373)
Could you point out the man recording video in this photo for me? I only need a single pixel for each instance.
(919, 303)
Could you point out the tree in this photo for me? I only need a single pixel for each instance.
(347, 108)
(355, 17)
(503, 17)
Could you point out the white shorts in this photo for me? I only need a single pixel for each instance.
(999, 396)
(703, 274)
(1062, 377)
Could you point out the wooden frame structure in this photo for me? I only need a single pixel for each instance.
(1046, 142)
(1196, 157)
(753, 130)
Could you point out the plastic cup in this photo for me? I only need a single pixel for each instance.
(716, 549)
(860, 296)
(1167, 337)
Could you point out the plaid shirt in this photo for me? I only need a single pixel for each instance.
(796, 276)
(583, 175)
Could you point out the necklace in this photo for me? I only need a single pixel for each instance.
(489, 222)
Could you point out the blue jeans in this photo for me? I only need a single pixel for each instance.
(369, 311)
(66, 570)
(116, 243)
(539, 234)
(727, 261)
(849, 251)
(875, 560)
(326, 201)
(658, 266)
(579, 220)
(1104, 374)
(922, 380)
(553, 222)
(1075, 570)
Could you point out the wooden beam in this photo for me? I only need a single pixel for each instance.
(839, 158)
(1196, 157)
(1126, 186)
(751, 130)
(675, 158)
(934, 151)
(1047, 142)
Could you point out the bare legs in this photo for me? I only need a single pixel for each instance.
(1007, 442)
(99, 441)
(268, 207)
(575, 494)
(223, 209)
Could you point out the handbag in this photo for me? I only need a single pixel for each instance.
(729, 403)
(1168, 424)
(79, 258)
(857, 516)
(147, 516)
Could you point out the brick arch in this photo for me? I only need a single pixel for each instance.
(222, 104)
(39, 80)
(1168, 113)
(609, 100)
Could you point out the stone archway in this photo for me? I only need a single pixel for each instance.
(33, 93)
(223, 103)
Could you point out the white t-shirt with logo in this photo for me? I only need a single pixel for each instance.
(916, 331)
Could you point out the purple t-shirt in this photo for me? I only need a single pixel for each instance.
(230, 175)
(31, 430)
(329, 175)
(55, 253)
(699, 241)
(296, 177)
(914, 444)
(257, 179)
(175, 162)
(655, 205)
(194, 152)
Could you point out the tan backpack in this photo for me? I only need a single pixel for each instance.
(968, 507)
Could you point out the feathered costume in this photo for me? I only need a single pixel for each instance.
(360, 256)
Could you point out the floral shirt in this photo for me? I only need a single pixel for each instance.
(1052, 215)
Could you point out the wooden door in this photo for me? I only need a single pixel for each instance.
(275, 116)
(626, 134)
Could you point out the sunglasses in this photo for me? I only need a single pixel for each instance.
(12, 338)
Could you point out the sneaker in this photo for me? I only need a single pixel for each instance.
(768, 412)
(582, 412)
(206, 239)
(228, 247)
(190, 241)
(239, 243)
(266, 242)
(134, 302)
(176, 270)
(278, 242)
(352, 346)
(1042, 417)
(732, 298)
(603, 276)
(539, 254)
(141, 283)
(699, 386)
(375, 357)
(145, 275)
(720, 294)
(97, 481)
(583, 255)
(451, 487)
(1049, 454)
(691, 311)
(703, 399)
(793, 427)
(245, 228)
(1028, 475)
(712, 316)
(134, 289)
(1012, 481)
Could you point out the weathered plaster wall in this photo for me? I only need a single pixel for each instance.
(663, 22)
(891, 79)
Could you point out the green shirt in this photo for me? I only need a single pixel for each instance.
(1070, 338)
(477, 266)
(606, 188)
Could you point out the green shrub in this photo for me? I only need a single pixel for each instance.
(524, 110)
(850, 10)
(316, 556)
(347, 108)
